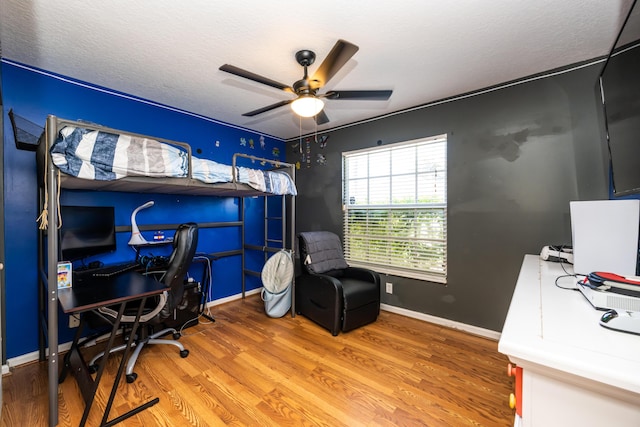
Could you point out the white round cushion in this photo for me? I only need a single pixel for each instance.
(277, 272)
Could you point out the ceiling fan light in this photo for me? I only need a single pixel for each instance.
(307, 106)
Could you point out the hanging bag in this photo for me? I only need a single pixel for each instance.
(277, 276)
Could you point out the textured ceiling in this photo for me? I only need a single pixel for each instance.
(425, 50)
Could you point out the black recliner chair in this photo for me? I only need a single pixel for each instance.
(329, 292)
(159, 309)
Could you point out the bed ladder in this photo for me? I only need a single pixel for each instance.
(269, 245)
(270, 219)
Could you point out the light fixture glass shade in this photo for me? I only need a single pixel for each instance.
(307, 106)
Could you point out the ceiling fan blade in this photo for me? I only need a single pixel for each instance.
(267, 108)
(255, 77)
(370, 95)
(341, 52)
(321, 118)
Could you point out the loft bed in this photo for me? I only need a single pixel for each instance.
(92, 157)
(66, 152)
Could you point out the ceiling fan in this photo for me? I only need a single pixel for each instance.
(308, 103)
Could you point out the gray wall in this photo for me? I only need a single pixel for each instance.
(516, 157)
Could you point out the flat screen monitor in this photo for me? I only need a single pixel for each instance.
(620, 86)
(86, 231)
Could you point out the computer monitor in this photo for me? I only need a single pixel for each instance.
(86, 231)
(605, 236)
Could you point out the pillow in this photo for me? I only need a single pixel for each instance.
(321, 251)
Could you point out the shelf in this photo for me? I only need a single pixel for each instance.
(167, 241)
(26, 134)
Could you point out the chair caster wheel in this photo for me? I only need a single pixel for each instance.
(184, 353)
(93, 369)
(131, 377)
(177, 336)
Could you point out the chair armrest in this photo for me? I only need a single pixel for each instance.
(322, 291)
(320, 281)
(320, 298)
(363, 274)
(109, 312)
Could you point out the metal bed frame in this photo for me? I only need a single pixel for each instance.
(55, 180)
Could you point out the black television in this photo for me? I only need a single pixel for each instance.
(86, 231)
(620, 91)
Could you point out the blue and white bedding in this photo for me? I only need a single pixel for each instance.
(104, 156)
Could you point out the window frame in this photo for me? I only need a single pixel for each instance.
(419, 251)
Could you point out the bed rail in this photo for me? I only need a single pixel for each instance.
(277, 165)
(59, 123)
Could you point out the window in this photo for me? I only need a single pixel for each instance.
(395, 208)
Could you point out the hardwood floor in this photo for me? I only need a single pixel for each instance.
(247, 369)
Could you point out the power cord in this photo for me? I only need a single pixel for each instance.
(573, 288)
(206, 310)
(575, 276)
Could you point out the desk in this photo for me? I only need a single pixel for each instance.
(574, 372)
(90, 295)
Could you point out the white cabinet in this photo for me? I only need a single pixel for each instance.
(574, 372)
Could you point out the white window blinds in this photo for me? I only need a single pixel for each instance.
(395, 208)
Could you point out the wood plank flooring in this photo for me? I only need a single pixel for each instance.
(247, 369)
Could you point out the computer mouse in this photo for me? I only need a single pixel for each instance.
(622, 320)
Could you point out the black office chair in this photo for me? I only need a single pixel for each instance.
(159, 309)
(329, 292)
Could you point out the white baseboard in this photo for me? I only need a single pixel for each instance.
(486, 333)
(474, 330)
(30, 357)
(33, 356)
(233, 297)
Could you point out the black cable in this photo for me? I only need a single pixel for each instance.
(561, 248)
(563, 276)
(565, 270)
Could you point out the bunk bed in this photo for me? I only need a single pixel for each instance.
(56, 159)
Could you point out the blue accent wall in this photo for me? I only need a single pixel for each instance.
(34, 94)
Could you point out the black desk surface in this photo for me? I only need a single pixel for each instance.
(98, 292)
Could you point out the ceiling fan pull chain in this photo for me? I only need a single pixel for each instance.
(300, 129)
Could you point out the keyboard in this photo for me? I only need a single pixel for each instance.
(111, 270)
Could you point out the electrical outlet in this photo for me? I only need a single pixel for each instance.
(389, 287)
(74, 321)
